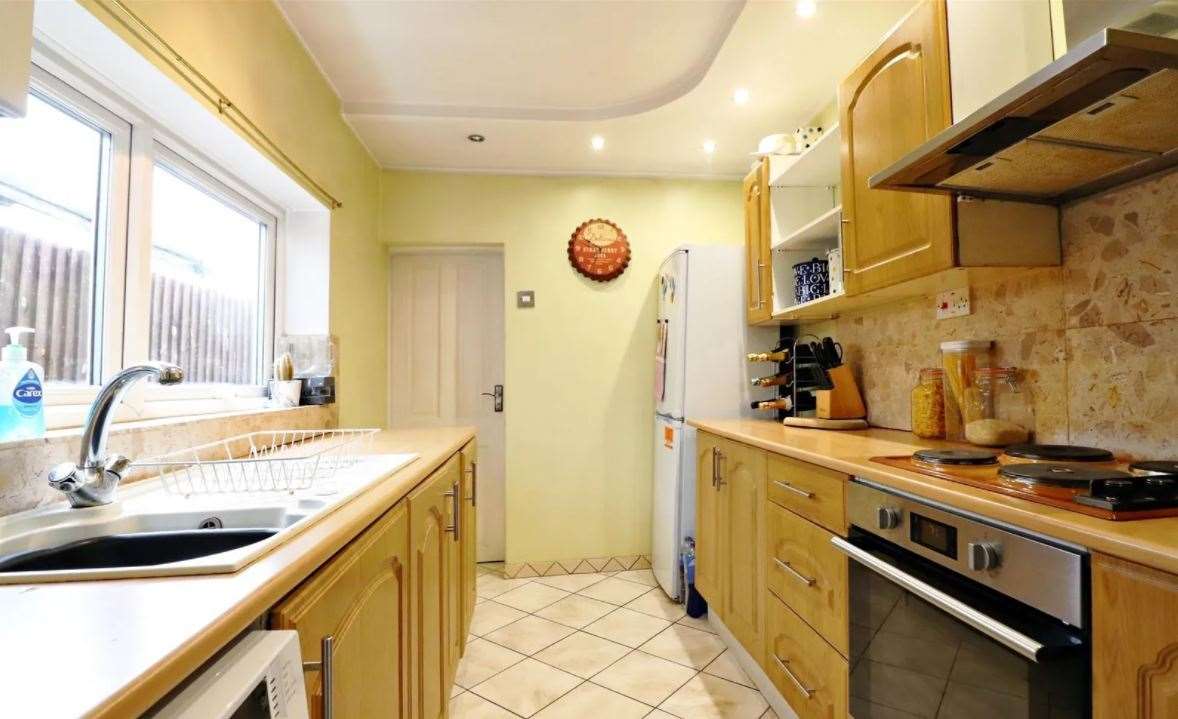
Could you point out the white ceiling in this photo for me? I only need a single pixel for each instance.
(539, 79)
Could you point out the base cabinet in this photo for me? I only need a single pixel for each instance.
(808, 672)
(361, 599)
(1134, 641)
(396, 602)
(730, 519)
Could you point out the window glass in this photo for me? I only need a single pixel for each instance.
(53, 168)
(207, 295)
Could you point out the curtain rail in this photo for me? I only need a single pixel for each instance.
(204, 87)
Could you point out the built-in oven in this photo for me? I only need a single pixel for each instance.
(956, 616)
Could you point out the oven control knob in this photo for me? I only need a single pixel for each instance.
(887, 517)
(984, 556)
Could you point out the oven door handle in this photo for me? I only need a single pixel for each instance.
(1006, 636)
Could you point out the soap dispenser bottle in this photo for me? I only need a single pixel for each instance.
(22, 414)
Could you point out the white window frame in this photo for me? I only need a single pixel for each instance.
(122, 322)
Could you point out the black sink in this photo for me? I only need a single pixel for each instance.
(142, 549)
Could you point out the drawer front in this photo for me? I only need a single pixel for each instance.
(807, 671)
(807, 573)
(814, 492)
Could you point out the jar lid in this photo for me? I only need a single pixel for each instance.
(964, 345)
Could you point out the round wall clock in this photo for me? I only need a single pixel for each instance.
(599, 250)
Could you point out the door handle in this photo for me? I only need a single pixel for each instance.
(323, 666)
(455, 496)
(718, 480)
(474, 484)
(498, 395)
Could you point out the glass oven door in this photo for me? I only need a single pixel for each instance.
(927, 642)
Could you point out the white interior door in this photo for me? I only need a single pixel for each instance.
(445, 351)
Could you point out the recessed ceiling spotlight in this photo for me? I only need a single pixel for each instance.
(476, 138)
(709, 146)
(806, 8)
(740, 96)
(598, 142)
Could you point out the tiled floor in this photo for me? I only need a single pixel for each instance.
(594, 646)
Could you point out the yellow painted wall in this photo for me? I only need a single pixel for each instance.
(248, 51)
(580, 365)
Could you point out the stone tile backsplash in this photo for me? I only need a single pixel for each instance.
(1097, 338)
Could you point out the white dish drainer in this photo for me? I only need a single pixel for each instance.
(268, 461)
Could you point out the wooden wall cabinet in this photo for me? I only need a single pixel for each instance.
(758, 258)
(893, 102)
(730, 527)
(361, 599)
(1134, 641)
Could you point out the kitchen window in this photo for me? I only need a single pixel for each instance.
(121, 244)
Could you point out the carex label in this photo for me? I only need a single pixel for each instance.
(26, 396)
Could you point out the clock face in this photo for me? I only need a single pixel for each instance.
(599, 250)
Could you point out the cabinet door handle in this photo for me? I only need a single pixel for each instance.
(790, 488)
(715, 466)
(792, 677)
(788, 569)
(760, 285)
(719, 476)
(455, 496)
(474, 484)
(324, 667)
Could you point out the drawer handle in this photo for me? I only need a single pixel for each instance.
(785, 567)
(790, 488)
(793, 677)
(455, 496)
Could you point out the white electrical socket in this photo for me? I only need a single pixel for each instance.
(953, 303)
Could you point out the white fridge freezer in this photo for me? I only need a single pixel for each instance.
(700, 372)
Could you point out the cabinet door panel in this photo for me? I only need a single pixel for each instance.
(758, 287)
(893, 102)
(470, 478)
(742, 472)
(1134, 641)
(430, 562)
(361, 599)
(707, 523)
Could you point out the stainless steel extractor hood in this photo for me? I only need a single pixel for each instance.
(1102, 115)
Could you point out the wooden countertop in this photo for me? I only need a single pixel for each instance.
(1152, 542)
(113, 648)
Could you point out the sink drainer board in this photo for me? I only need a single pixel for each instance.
(270, 461)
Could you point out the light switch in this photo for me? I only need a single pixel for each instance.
(525, 299)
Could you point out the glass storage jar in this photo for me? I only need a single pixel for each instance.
(1006, 412)
(928, 404)
(960, 360)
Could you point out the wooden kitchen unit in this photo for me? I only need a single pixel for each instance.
(803, 580)
(373, 574)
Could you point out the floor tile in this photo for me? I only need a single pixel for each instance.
(628, 627)
(582, 654)
(571, 582)
(491, 615)
(657, 604)
(483, 660)
(685, 645)
(590, 701)
(456, 690)
(576, 611)
(473, 706)
(645, 678)
(659, 714)
(701, 624)
(639, 576)
(529, 635)
(709, 697)
(725, 666)
(531, 597)
(614, 591)
(489, 585)
(527, 687)
(769, 714)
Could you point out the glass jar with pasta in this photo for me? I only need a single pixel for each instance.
(928, 404)
(960, 360)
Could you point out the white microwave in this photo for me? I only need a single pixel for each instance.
(259, 677)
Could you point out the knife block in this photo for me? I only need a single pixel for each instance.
(844, 401)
